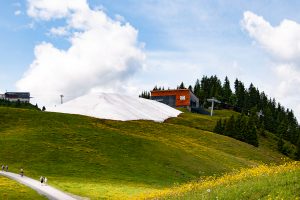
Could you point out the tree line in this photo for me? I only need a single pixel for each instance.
(18, 104)
(258, 112)
(250, 101)
(242, 128)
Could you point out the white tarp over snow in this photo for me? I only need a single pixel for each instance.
(117, 107)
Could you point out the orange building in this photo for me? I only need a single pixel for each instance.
(176, 98)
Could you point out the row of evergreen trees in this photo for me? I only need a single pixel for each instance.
(242, 128)
(17, 104)
(145, 95)
(273, 116)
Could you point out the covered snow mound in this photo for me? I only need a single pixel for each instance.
(117, 107)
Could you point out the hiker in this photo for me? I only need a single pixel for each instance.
(21, 172)
(42, 180)
(45, 180)
(6, 168)
(2, 167)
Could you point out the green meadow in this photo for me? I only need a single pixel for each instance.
(262, 182)
(105, 159)
(10, 189)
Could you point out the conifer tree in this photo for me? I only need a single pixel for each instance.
(226, 91)
(239, 127)
(230, 127)
(282, 130)
(262, 131)
(197, 88)
(240, 94)
(219, 128)
(251, 137)
(280, 144)
(181, 86)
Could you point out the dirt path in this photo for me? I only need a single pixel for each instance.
(45, 190)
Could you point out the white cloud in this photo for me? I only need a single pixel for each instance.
(102, 55)
(54, 9)
(59, 31)
(282, 42)
(18, 12)
(289, 77)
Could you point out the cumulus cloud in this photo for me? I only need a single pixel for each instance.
(282, 42)
(103, 53)
(59, 31)
(55, 9)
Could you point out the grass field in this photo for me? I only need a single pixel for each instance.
(202, 122)
(117, 160)
(262, 182)
(10, 190)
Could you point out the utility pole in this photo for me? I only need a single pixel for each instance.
(213, 100)
(61, 99)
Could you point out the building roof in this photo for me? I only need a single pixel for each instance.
(171, 90)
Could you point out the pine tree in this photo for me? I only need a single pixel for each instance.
(282, 130)
(230, 127)
(239, 127)
(226, 91)
(268, 119)
(181, 86)
(240, 95)
(251, 137)
(262, 131)
(280, 144)
(253, 96)
(219, 128)
(197, 88)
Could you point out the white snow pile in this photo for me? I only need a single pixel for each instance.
(117, 107)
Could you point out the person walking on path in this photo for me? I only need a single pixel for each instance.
(6, 168)
(42, 180)
(45, 180)
(2, 168)
(21, 172)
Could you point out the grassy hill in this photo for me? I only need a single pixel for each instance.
(10, 189)
(263, 182)
(203, 122)
(112, 159)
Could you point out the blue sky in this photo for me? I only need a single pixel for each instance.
(182, 41)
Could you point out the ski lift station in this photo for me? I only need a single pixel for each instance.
(176, 98)
(16, 96)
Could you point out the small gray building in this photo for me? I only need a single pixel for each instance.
(23, 97)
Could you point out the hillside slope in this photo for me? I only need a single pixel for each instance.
(262, 182)
(113, 159)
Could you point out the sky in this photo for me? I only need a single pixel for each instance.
(73, 47)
